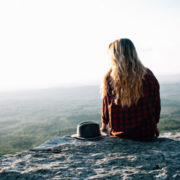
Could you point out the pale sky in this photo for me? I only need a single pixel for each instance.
(49, 43)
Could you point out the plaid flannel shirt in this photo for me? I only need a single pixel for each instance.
(139, 121)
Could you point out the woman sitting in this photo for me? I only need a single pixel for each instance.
(131, 99)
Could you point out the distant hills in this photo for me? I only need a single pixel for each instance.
(28, 118)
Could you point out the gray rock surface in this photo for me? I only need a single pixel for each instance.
(108, 158)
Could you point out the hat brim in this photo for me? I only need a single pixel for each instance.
(89, 139)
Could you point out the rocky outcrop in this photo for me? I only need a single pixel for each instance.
(108, 158)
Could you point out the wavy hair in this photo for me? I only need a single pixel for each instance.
(127, 73)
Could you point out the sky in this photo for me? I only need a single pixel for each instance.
(50, 43)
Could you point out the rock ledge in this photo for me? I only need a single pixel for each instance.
(109, 158)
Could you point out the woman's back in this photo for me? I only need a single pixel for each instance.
(138, 121)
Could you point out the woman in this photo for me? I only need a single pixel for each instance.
(131, 100)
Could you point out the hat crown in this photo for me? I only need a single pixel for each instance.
(88, 130)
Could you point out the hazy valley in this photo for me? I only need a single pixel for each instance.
(29, 118)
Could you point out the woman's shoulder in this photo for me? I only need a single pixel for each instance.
(149, 72)
(149, 76)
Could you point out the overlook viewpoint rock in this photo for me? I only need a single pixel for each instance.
(108, 158)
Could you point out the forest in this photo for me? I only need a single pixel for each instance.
(28, 118)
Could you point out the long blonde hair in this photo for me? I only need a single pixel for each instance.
(127, 73)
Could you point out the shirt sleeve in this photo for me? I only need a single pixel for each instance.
(105, 113)
(157, 101)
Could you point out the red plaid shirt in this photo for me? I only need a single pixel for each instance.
(137, 122)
